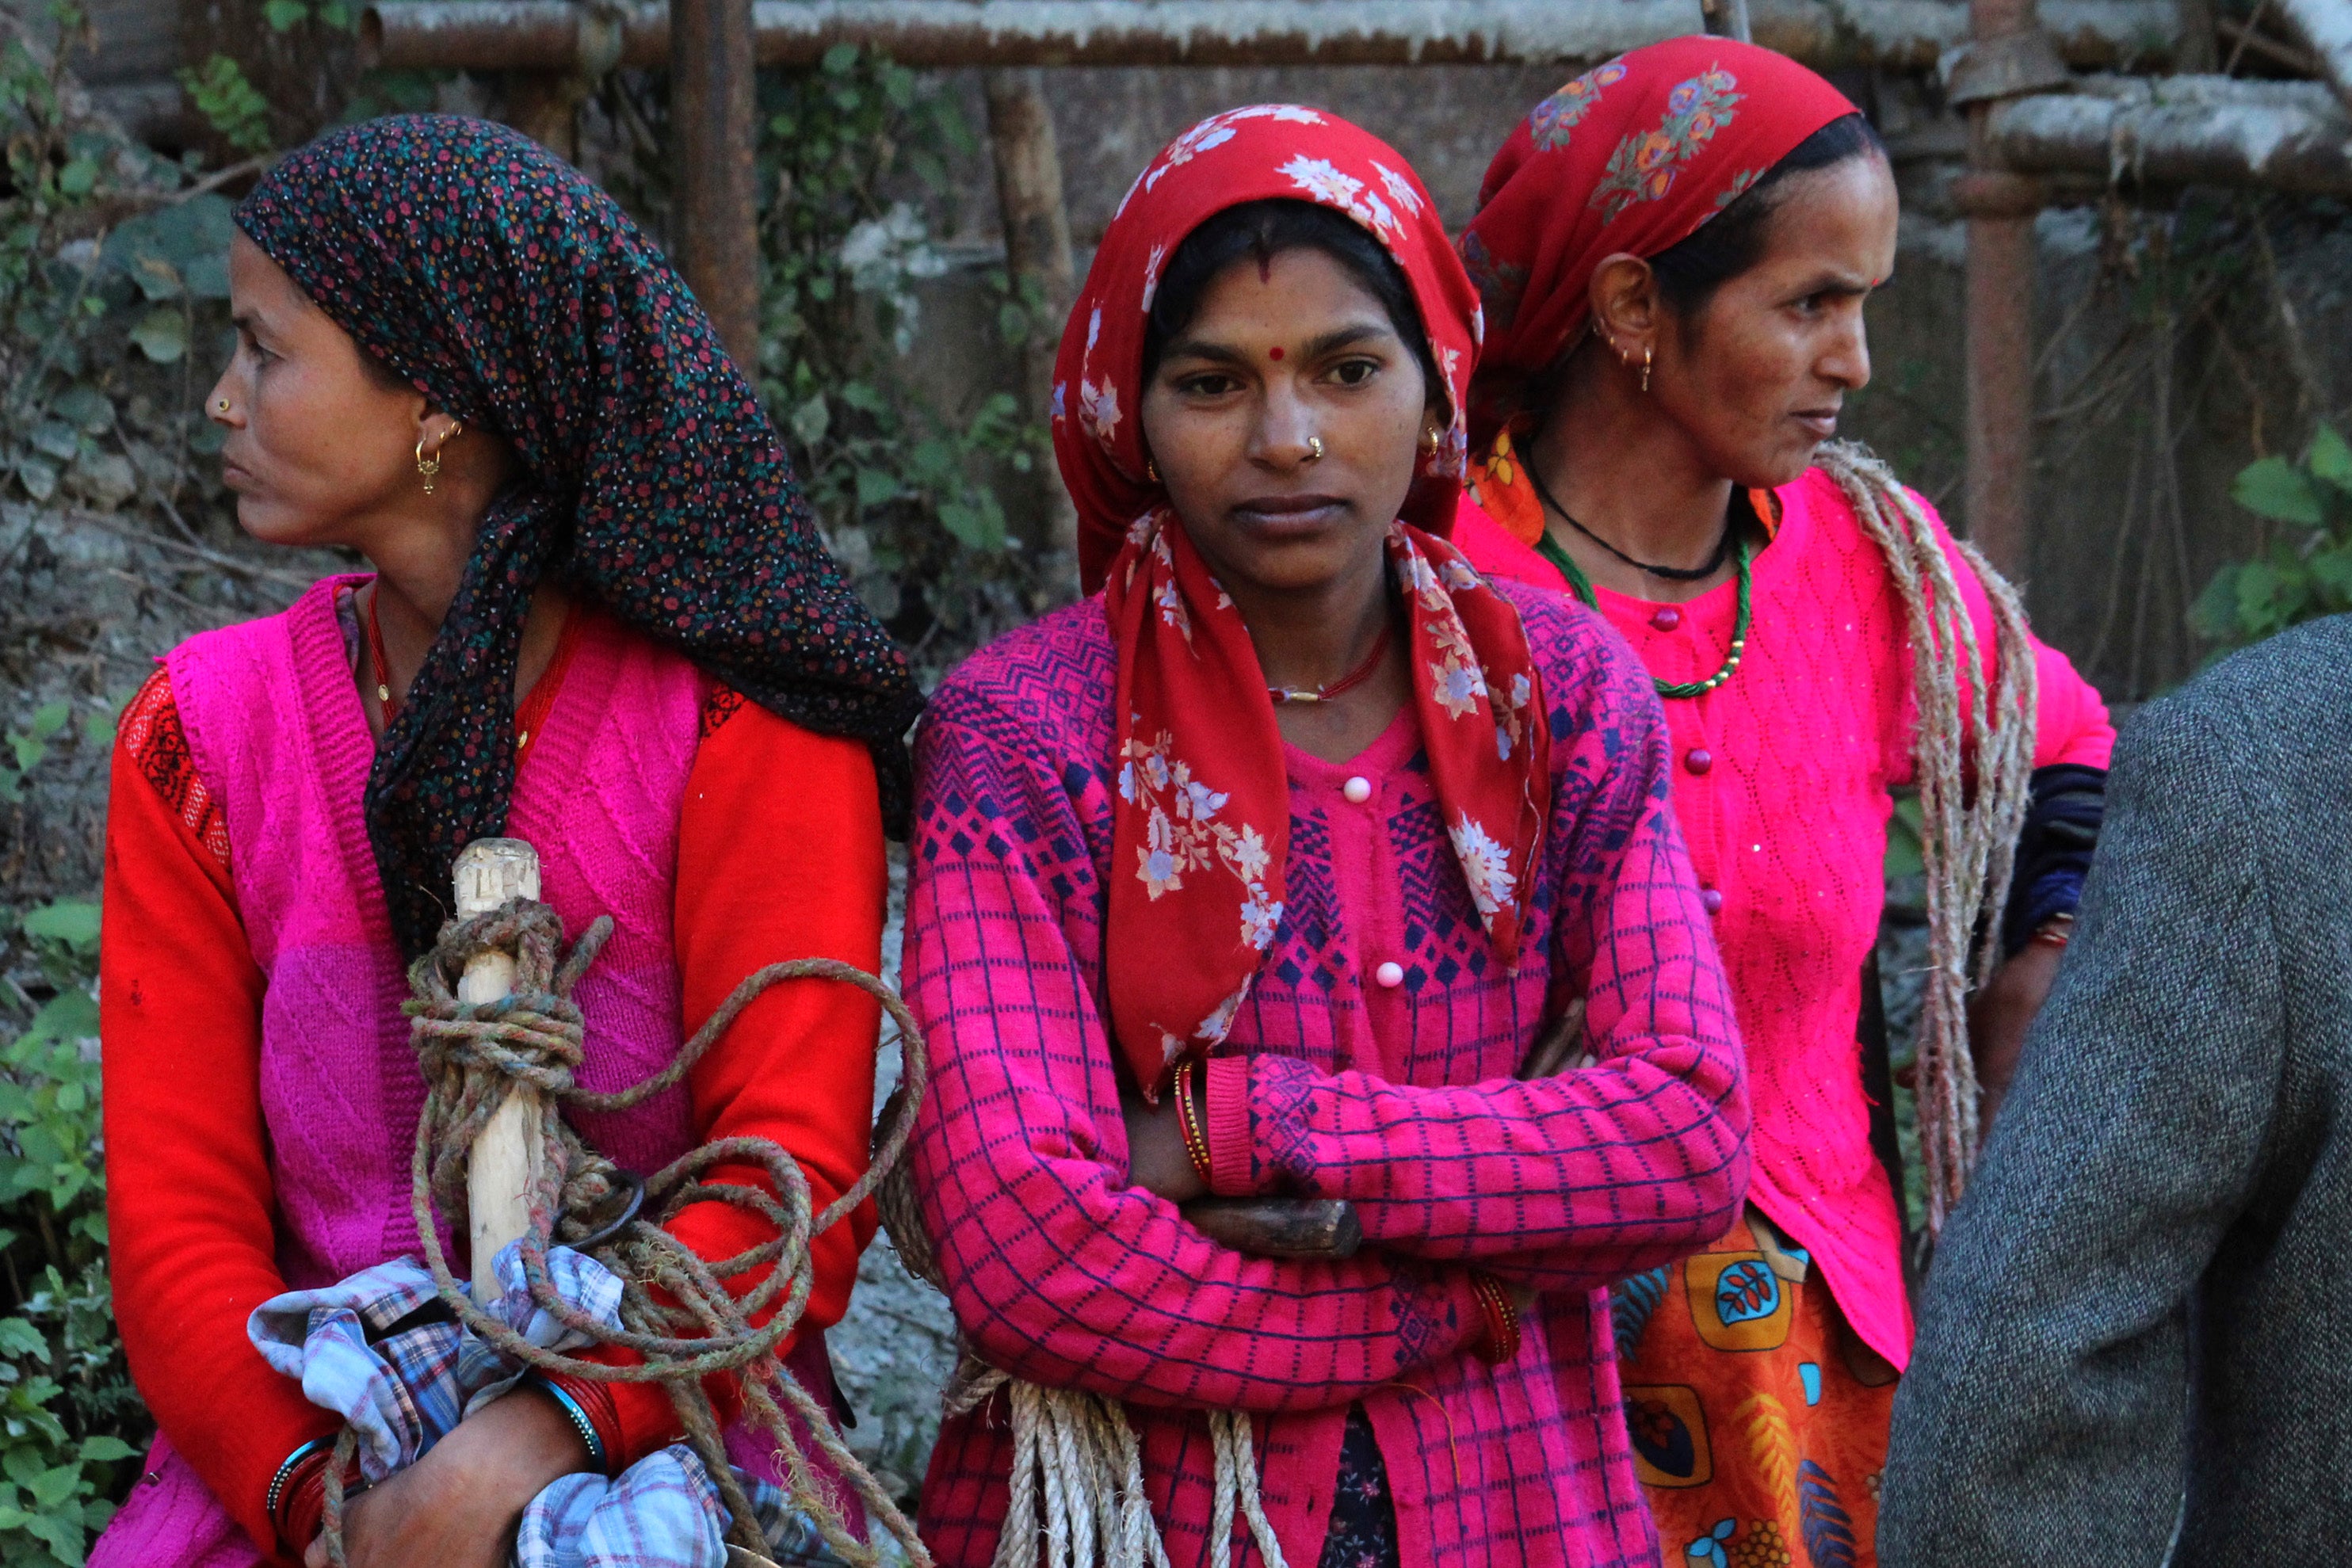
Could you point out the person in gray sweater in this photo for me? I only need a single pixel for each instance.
(2139, 1320)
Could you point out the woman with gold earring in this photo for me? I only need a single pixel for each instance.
(598, 617)
(1674, 251)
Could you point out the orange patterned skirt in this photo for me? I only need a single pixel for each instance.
(1759, 1417)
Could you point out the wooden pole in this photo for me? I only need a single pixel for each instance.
(1037, 254)
(713, 105)
(505, 1163)
(2008, 55)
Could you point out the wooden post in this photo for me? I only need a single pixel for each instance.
(2009, 56)
(545, 107)
(505, 1163)
(713, 107)
(1036, 251)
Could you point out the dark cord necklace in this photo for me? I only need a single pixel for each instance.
(1671, 573)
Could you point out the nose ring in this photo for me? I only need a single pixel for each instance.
(220, 405)
(1315, 449)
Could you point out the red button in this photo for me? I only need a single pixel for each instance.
(1666, 617)
(1711, 899)
(1699, 760)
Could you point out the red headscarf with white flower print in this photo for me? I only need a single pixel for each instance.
(1631, 156)
(1203, 831)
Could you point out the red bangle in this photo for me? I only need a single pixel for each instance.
(1188, 1122)
(1501, 1342)
(2054, 932)
(300, 1495)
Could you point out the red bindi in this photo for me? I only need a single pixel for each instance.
(1275, 352)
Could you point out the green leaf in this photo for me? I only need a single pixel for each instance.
(52, 717)
(876, 487)
(2214, 616)
(863, 398)
(157, 278)
(2331, 459)
(30, 752)
(56, 438)
(21, 1463)
(2275, 488)
(812, 419)
(39, 479)
(161, 335)
(840, 59)
(103, 1450)
(68, 1015)
(336, 14)
(98, 729)
(88, 409)
(285, 14)
(77, 177)
(73, 922)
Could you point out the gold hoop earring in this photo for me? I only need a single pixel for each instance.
(1646, 354)
(1429, 438)
(1315, 449)
(430, 468)
(1151, 470)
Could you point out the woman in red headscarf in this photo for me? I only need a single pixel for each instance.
(1673, 251)
(1260, 873)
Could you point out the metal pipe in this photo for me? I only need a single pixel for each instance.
(712, 106)
(2181, 131)
(1907, 34)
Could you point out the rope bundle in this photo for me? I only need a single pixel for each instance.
(675, 1311)
(1968, 824)
(1075, 1456)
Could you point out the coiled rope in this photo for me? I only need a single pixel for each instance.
(675, 1311)
(1974, 765)
(1077, 1498)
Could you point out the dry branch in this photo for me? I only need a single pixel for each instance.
(2182, 130)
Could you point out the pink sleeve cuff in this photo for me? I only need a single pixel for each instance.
(1230, 1159)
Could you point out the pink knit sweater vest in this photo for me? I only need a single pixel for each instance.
(274, 727)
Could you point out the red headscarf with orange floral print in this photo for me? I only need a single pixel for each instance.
(1203, 827)
(1631, 156)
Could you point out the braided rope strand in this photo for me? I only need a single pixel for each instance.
(1969, 836)
(676, 1310)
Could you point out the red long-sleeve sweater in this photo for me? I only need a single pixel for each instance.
(780, 856)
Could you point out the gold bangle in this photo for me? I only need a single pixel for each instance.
(1196, 1137)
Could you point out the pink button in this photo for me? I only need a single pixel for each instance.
(1699, 760)
(1390, 975)
(1666, 617)
(1358, 789)
(1711, 899)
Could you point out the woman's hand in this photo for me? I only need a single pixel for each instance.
(2000, 1015)
(1155, 1158)
(458, 1505)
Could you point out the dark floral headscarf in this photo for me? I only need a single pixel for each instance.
(521, 299)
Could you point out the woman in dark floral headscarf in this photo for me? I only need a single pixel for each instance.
(601, 620)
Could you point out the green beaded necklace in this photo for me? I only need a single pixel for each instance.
(1548, 548)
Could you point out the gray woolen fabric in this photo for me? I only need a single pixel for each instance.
(2149, 1285)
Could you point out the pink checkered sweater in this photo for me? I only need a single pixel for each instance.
(1400, 1098)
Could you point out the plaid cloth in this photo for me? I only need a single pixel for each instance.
(377, 1350)
(1400, 1097)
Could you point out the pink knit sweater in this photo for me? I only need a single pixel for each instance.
(1781, 782)
(1401, 1097)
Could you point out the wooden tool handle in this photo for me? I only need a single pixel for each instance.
(1280, 1227)
(503, 1166)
